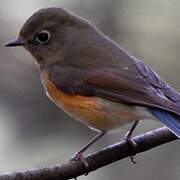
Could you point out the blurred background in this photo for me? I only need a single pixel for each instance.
(35, 133)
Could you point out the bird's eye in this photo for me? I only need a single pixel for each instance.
(43, 37)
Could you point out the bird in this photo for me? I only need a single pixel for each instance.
(94, 79)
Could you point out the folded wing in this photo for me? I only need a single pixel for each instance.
(136, 84)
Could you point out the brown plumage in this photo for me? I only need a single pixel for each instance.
(91, 77)
(88, 62)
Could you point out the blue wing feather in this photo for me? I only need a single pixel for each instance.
(171, 120)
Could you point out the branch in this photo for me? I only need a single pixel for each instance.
(97, 160)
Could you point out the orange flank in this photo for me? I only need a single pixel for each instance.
(97, 113)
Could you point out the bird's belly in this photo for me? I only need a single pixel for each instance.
(95, 112)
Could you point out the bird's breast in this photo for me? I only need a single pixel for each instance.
(95, 112)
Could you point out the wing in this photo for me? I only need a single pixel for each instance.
(136, 84)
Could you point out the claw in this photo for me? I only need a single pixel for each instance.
(132, 144)
(132, 158)
(79, 157)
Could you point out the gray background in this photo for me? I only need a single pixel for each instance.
(35, 133)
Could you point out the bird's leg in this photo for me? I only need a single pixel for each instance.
(79, 155)
(130, 141)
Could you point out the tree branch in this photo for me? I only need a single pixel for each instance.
(97, 160)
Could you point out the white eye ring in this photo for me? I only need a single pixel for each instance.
(43, 37)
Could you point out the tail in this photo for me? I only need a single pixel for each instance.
(171, 120)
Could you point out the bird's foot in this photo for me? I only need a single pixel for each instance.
(133, 146)
(79, 157)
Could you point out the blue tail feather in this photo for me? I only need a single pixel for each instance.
(171, 120)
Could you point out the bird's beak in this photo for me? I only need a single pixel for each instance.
(13, 43)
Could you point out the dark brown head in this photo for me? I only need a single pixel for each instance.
(45, 33)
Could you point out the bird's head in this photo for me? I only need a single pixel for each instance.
(46, 32)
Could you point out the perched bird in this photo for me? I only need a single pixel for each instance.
(92, 78)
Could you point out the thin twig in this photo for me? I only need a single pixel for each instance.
(97, 160)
